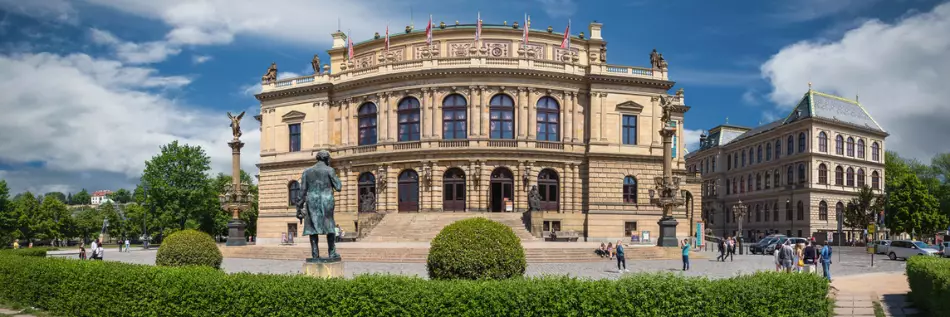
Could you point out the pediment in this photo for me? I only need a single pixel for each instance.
(293, 115)
(629, 106)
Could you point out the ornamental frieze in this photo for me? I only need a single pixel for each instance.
(459, 48)
(497, 48)
(364, 61)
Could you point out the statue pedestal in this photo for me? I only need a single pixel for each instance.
(667, 236)
(236, 233)
(323, 268)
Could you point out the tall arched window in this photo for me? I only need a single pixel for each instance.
(861, 177)
(749, 189)
(751, 157)
(768, 212)
(875, 152)
(548, 188)
(293, 192)
(768, 151)
(502, 119)
(630, 190)
(743, 158)
(789, 176)
(860, 148)
(822, 173)
(788, 210)
(758, 213)
(775, 212)
(850, 146)
(801, 173)
(408, 191)
(453, 190)
(823, 211)
(875, 180)
(839, 145)
(777, 181)
(548, 115)
(728, 162)
(839, 176)
(366, 186)
(758, 154)
(850, 177)
(822, 142)
(367, 123)
(758, 181)
(728, 188)
(801, 142)
(454, 117)
(734, 185)
(839, 210)
(735, 160)
(778, 149)
(768, 179)
(408, 112)
(713, 164)
(741, 184)
(801, 210)
(790, 146)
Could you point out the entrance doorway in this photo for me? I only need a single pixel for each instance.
(502, 190)
(408, 191)
(453, 190)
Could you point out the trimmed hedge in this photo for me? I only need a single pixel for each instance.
(37, 252)
(929, 280)
(188, 247)
(96, 288)
(476, 249)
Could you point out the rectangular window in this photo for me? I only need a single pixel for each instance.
(629, 228)
(629, 130)
(294, 137)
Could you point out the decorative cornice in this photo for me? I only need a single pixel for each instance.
(630, 106)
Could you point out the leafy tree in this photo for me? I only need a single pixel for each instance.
(88, 222)
(59, 196)
(122, 196)
(862, 209)
(8, 218)
(911, 208)
(69, 199)
(82, 198)
(52, 221)
(25, 209)
(178, 184)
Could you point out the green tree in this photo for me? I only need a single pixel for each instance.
(59, 196)
(912, 209)
(82, 197)
(25, 208)
(69, 199)
(249, 216)
(178, 184)
(862, 208)
(52, 221)
(8, 218)
(122, 196)
(88, 222)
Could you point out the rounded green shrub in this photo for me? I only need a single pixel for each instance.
(188, 248)
(476, 249)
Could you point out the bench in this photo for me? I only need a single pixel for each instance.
(347, 239)
(569, 236)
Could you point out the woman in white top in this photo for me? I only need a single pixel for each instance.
(778, 262)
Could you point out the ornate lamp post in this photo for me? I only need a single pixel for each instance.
(235, 195)
(740, 210)
(667, 186)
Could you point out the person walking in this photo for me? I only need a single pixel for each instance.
(810, 258)
(778, 260)
(732, 249)
(16, 244)
(82, 251)
(825, 258)
(722, 250)
(621, 259)
(799, 257)
(787, 255)
(97, 250)
(685, 246)
(127, 243)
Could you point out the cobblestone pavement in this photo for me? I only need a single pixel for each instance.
(852, 261)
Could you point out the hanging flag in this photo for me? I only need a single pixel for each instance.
(524, 37)
(478, 27)
(566, 42)
(429, 31)
(349, 50)
(387, 37)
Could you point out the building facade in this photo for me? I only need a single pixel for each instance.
(461, 125)
(100, 197)
(796, 175)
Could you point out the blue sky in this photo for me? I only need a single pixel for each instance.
(91, 88)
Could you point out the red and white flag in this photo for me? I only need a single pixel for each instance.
(478, 27)
(566, 42)
(387, 37)
(349, 49)
(429, 31)
(524, 37)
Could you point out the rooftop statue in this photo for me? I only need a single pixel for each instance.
(315, 208)
(271, 74)
(236, 124)
(315, 63)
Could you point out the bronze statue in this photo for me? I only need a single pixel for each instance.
(661, 62)
(315, 63)
(534, 199)
(315, 208)
(680, 92)
(654, 59)
(236, 124)
(666, 103)
(271, 74)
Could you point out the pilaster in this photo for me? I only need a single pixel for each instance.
(532, 118)
(521, 112)
(483, 111)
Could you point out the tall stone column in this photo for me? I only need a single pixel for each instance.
(521, 112)
(345, 121)
(470, 115)
(483, 111)
(595, 116)
(603, 115)
(580, 120)
(532, 106)
(425, 107)
(436, 111)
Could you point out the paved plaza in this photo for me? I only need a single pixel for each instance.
(852, 261)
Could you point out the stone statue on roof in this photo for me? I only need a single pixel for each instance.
(271, 74)
(315, 63)
(654, 59)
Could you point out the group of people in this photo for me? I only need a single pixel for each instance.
(727, 249)
(16, 244)
(610, 251)
(804, 258)
(607, 251)
(97, 251)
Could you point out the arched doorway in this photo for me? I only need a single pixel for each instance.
(502, 189)
(548, 188)
(408, 191)
(453, 190)
(367, 192)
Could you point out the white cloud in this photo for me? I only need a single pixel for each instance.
(558, 8)
(57, 10)
(750, 97)
(135, 53)
(808, 10)
(199, 59)
(692, 138)
(83, 115)
(900, 71)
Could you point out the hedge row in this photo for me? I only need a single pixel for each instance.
(929, 279)
(37, 252)
(96, 288)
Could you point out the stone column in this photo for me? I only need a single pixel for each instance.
(519, 193)
(483, 111)
(521, 112)
(603, 115)
(471, 117)
(393, 116)
(274, 120)
(580, 121)
(382, 122)
(595, 116)
(436, 111)
(425, 108)
(344, 121)
(532, 118)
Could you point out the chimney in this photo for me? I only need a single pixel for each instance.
(338, 40)
(595, 29)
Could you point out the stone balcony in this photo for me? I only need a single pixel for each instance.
(448, 63)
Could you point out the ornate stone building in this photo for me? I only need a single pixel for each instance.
(470, 126)
(796, 174)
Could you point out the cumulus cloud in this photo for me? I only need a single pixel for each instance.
(692, 139)
(200, 59)
(57, 10)
(135, 53)
(899, 70)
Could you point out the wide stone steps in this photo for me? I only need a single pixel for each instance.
(566, 254)
(423, 227)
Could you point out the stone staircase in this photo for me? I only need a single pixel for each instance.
(423, 227)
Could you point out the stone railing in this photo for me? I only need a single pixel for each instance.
(627, 71)
(453, 143)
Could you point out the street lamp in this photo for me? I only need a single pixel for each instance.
(740, 210)
(788, 203)
(234, 198)
(145, 236)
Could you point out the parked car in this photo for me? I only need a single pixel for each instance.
(783, 240)
(880, 246)
(760, 246)
(943, 249)
(906, 248)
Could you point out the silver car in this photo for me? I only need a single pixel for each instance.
(880, 247)
(906, 248)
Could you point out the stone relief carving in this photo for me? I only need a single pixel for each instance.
(564, 55)
(535, 50)
(365, 60)
(459, 49)
(421, 51)
(497, 48)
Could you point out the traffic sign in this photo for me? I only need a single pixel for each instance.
(871, 229)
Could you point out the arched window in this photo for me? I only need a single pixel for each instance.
(743, 158)
(408, 112)
(768, 151)
(734, 185)
(768, 179)
(875, 152)
(822, 142)
(630, 190)
(775, 212)
(728, 162)
(875, 180)
(758, 154)
(788, 210)
(839, 176)
(801, 173)
(502, 119)
(839, 210)
(548, 188)
(850, 177)
(768, 212)
(839, 145)
(850, 146)
(823, 211)
(454, 117)
(749, 188)
(777, 181)
(801, 142)
(713, 164)
(293, 192)
(861, 177)
(706, 167)
(790, 146)
(366, 186)
(735, 160)
(822, 173)
(790, 176)
(778, 149)
(408, 191)
(860, 148)
(801, 210)
(728, 184)
(741, 184)
(758, 181)
(367, 123)
(453, 190)
(751, 157)
(548, 115)
(758, 213)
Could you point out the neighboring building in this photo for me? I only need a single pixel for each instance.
(796, 174)
(456, 127)
(100, 197)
